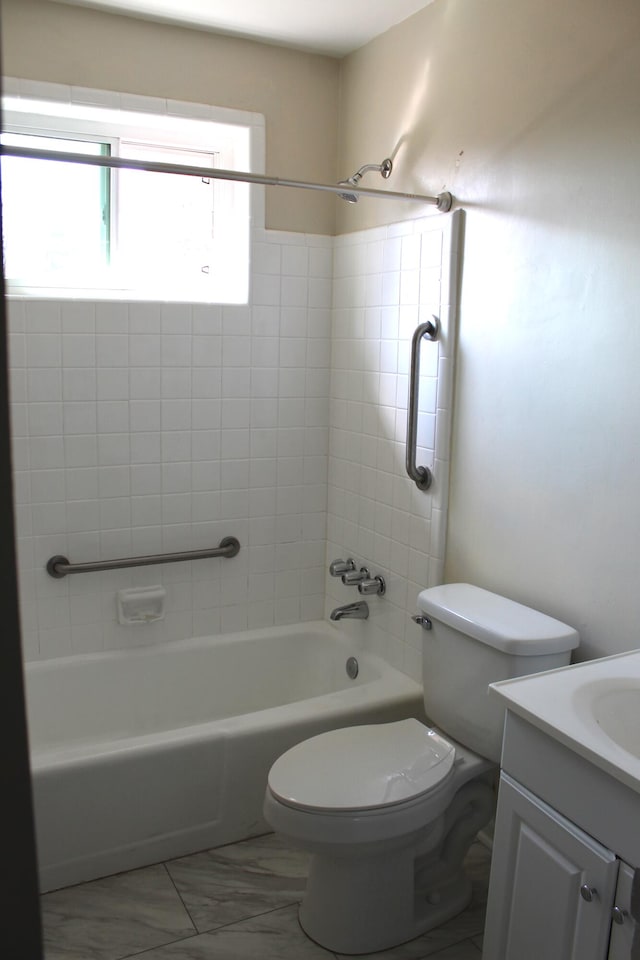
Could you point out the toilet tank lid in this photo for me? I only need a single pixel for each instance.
(501, 623)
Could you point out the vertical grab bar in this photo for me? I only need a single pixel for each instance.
(421, 476)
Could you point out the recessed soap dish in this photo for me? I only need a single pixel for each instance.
(138, 605)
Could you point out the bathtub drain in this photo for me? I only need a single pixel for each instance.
(352, 668)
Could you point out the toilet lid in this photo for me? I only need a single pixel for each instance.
(362, 767)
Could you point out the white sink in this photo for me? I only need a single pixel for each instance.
(592, 707)
(617, 713)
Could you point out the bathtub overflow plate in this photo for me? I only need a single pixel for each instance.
(352, 668)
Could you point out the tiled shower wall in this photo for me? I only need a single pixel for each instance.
(142, 428)
(387, 281)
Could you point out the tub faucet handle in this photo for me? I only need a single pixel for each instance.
(372, 587)
(338, 567)
(353, 577)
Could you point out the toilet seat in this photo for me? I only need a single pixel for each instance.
(365, 768)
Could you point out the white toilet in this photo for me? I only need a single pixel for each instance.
(388, 811)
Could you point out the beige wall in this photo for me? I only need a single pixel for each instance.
(296, 92)
(529, 113)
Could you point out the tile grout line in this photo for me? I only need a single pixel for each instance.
(180, 897)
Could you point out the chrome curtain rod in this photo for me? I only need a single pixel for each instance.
(444, 201)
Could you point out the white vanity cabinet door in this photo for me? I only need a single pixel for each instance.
(625, 932)
(552, 886)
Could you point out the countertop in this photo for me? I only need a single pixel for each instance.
(571, 704)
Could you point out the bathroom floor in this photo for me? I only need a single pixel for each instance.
(232, 903)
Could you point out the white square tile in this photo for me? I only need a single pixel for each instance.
(113, 416)
(112, 318)
(207, 351)
(45, 419)
(42, 316)
(265, 290)
(144, 350)
(265, 259)
(78, 350)
(144, 382)
(176, 446)
(176, 414)
(265, 321)
(205, 414)
(175, 319)
(113, 384)
(114, 449)
(80, 417)
(81, 451)
(176, 351)
(236, 320)
(176, 477)
(114, 481)
(265, 352)
(78, 317)
(177, 383)
(42, 350)
(81, 483)
(236, 382)
(294, 292)
(295, 261)
(79, 384)
(205, 445)
(144, 318)
(234, 444)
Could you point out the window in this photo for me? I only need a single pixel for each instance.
(55, 215)
(74, 230)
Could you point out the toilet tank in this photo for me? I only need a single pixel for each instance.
(477, 638)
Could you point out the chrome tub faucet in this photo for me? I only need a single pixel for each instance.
(351, 611)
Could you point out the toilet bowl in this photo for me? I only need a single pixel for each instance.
(375, 807)
(388, 811)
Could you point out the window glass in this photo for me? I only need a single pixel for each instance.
(165, 223)
(55, 215)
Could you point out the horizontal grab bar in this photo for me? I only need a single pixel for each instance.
(421, 476)
(59, 566)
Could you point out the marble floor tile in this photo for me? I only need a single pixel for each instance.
(454, 932)
(111, 918)
(271, 936)
(239, 881)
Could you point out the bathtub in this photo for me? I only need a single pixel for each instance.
(151, 753)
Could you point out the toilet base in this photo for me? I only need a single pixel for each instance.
(380, 895)
(374, 920)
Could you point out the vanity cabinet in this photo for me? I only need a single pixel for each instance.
(553, 887)
(556, 892)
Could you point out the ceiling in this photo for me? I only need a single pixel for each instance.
(333, 27)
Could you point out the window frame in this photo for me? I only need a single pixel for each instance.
(239, 144)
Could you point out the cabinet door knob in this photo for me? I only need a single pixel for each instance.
(588, 893)
(618, 915)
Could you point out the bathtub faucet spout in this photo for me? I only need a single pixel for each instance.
(351, 611)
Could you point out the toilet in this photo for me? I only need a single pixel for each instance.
(388, 811)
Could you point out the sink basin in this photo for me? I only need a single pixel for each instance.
(617, 712)
(591, 707)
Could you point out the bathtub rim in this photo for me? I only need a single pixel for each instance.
(388, 686)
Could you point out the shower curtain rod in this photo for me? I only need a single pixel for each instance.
(444, 201)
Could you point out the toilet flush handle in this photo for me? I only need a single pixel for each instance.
(424, 622)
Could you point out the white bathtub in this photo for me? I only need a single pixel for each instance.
(147, 754)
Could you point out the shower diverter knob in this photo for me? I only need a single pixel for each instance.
(354, 577)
